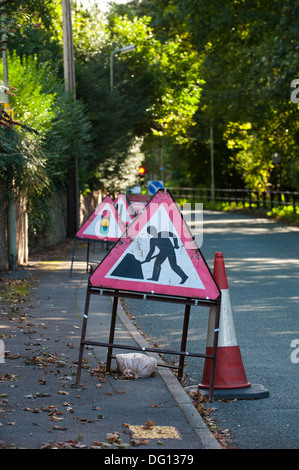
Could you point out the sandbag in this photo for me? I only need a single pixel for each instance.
(134, 365)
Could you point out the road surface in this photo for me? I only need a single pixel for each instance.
(262, 266)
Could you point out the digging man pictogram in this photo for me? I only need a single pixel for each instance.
(162, 241)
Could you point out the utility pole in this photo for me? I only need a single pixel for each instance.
(212, 162)
(69, 80)
(11, 215)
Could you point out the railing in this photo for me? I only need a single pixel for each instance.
(244, 197)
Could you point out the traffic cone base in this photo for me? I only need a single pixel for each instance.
(229, 369)
(254, 391)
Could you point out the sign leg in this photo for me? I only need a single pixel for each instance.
(184, 340)
(83, 333)
(111, 336)
(73, 256)
(87, 256)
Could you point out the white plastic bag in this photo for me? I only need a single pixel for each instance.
(135, 365)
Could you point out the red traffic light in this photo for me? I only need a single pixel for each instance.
(141, 170)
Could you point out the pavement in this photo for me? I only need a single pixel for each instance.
(41, 407)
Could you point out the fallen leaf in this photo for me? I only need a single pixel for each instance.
(59, 428)
(122, 445)
(112, 437)
(225, 431)
(149, 424)
(55, 418)
(97, 443)
(138, 442)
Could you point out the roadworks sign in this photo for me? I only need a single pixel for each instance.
(124, 209)
(157, 254)
(103, 224)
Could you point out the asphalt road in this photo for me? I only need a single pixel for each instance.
(262, 266)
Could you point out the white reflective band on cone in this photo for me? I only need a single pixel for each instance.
(227, 335)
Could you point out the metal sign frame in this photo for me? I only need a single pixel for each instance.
(182, 353)
(100, 283)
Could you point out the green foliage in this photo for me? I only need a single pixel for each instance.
(89, 31)
(12, 160)
(156, 90)
(43, 158)
(285, 214)
(34, 29)
(69, 138)
(249, 157)
(195, 62)
(249, 53)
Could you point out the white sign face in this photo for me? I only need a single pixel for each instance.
(159, 256)
(124, 209)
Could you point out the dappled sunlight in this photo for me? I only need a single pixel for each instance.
(279, 333)
(225, 224)
(262, 265)
(240, 228)
(273, 261)
(58, 265)
(223, 219)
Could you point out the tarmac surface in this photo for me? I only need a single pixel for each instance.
(40, 405)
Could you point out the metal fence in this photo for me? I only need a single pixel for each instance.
(241, 197)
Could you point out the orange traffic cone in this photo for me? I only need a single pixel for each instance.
(230, 377)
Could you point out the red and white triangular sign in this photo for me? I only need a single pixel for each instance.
(103, 223)
(124, 208)
(157, 254)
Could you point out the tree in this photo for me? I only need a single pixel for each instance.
(249, 58)
(156, 90)
(61, 131)
(34, 29)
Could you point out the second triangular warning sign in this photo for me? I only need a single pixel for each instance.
(103, 224)
(157, 254)
(124, 209)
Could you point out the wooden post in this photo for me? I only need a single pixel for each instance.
(69, 79)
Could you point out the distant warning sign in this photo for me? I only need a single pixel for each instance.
(103, 224)
(139, 201)
(157, 254)
(124, 208)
